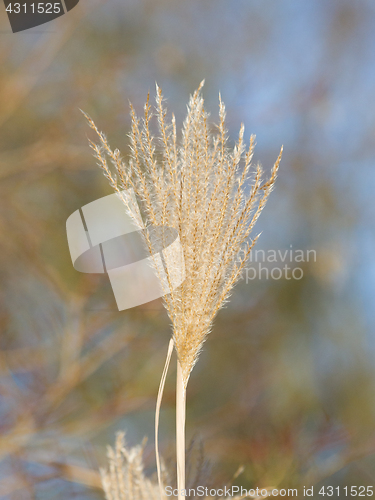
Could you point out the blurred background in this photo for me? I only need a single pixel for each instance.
(285, 385)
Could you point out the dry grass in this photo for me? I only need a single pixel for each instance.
(125, 478)
(213, 198)
(201, 188)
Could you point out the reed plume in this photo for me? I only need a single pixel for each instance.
(200, 188)
(212, 196)
(125, 479)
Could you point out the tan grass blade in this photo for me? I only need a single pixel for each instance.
(157, 414)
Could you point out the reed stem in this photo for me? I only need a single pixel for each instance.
(180, 430)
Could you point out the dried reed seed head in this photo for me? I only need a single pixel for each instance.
(211, 194)
(124, 478)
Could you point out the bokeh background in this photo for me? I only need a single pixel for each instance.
(285, 385)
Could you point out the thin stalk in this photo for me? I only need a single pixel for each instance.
(157, 416)
(180, 430)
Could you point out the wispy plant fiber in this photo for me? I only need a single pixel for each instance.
(211, 194)
(125, 479)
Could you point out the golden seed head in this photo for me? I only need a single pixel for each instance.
(208, 192)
